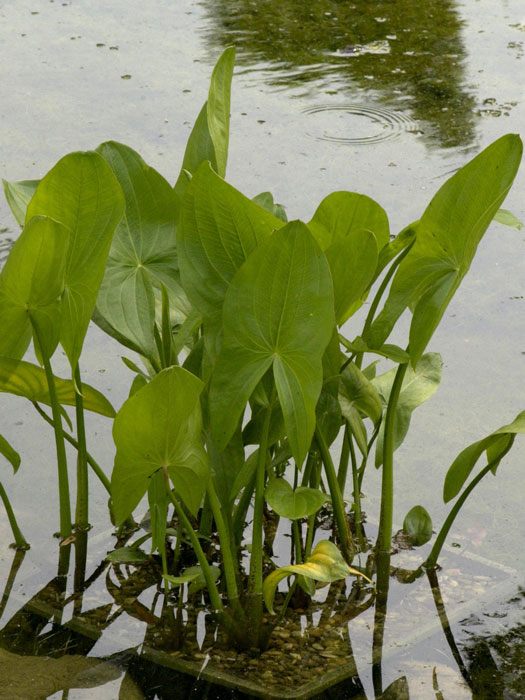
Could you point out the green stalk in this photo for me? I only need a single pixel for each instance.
(241, 510)
(13, 571)
(63, 479)
(20, 541)
(97, 469)
(228, 562)
(82, 507)
(386, 516)
(255, 580)
(357, 494)
(345, 536)
(314, 483)
(432, 558)
(201, 557)
(342, 471)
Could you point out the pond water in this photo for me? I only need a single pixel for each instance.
(384, 98)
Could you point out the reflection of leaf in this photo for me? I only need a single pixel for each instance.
(278, 312)
(496, 445)
(160, 427)
(447, 237)
(194, 576)
(9, 453)
(27, 380)
(293, 504)
(325, 564)
(127, 555)
(82, 193)
(419, 385)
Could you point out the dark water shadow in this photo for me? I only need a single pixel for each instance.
(408, 54)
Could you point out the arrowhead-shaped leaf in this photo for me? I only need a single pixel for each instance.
(351, 228)
(291, 504)
(160, 427)
(25, 379)
(143, 254)
(83, 194)
(18, 195)
(325, 564)
(496, 445)
(447, 237)
(31, 284)
(219, 229)
(419, 385)
(211, 133)
(278, 312)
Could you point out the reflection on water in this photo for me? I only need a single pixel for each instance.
(63, 635)
(410, 53)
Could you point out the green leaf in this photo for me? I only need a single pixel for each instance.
(417, 525)
(351, 228)
(341, 213)
(291, 504)
(495, 445)
(143, 254)
(25, 379)
(81, 193)
(160, 427)
(219, 229)
(507, 218)
(325, 564)
(210, 135)
(266, 201)
(392, 352)
(31, 283)
(353, 262)
(278, 312)
(9, 453)
(127, 555)
(359, 392)
(419, 385)
(18, 195)
(447, 237)
(403, 239)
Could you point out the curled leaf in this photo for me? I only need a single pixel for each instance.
(325, 564)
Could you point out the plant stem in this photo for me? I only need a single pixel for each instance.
(241, 510)
(432, 558)
(314, 483)
(97, 469)
(358, 516)
(201, 557)
(345, 536)
(342, 471)
(228, 562)
(384, 537)
(20, 541)
(63, 479)
(82, 507)
(255, 581)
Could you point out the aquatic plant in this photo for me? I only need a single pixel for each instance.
(248, 377)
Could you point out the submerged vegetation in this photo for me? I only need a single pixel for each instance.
(251, 368)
